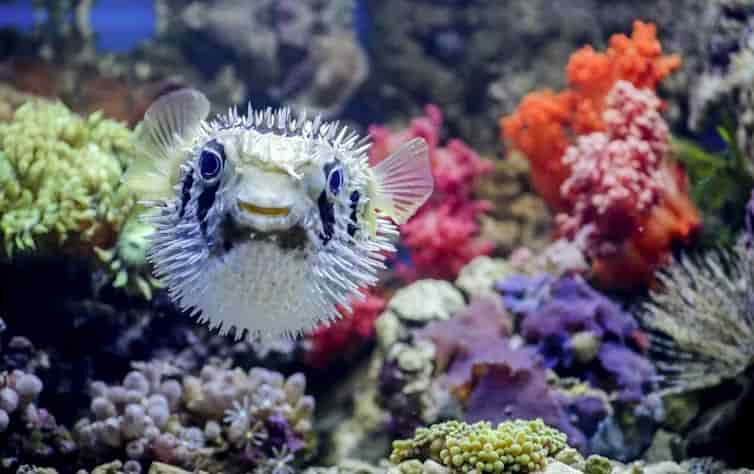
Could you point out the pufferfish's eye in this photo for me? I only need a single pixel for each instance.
(335, 180)
(211, 160)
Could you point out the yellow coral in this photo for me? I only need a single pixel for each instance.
(60, 178)
(517, 446)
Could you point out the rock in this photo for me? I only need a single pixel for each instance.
(557, 467)
(160, 468)
(479, 276)
(426, 300)
(680, 410)
(666, 446)
(665, 467)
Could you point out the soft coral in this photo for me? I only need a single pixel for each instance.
(444, 234)
(599, 154)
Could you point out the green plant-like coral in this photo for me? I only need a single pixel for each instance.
(720, 185)
(517, 446)
(60, 179)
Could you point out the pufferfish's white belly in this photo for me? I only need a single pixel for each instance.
(260, 287)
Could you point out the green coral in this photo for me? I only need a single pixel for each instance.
(60, 178)
(514, 446)
(720, 185)
(598, 465)
(125, 264)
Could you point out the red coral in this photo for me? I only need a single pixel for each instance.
(599, 154)
(444, 235)
(346, 335)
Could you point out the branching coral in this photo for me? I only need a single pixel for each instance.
(600, 155)
(444, 235)
(60, 178)
(514, 446)
(702, 320)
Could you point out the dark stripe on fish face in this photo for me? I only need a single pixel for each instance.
(218, 147)
(354, 206)
(327, 214)
(188, 182)
(204, 204)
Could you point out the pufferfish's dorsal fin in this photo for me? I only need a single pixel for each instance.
(403, 181)
(170, 120)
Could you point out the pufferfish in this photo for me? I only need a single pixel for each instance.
(266, 223)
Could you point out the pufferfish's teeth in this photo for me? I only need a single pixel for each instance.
(264, 211)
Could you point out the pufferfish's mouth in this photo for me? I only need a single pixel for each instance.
(264, 211)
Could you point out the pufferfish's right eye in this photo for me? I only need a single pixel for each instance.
(211, 160)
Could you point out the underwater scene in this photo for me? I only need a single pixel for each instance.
(376, 236)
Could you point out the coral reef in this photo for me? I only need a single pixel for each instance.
(61, 179)
(256, 418)
(27, 431)
(603, 182)
(513, 446)
(444, 234)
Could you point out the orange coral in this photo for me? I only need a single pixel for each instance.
(546, 125)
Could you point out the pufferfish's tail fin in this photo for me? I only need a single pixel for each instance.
(169, 121)
(403, 181)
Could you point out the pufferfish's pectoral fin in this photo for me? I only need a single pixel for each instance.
(403, 181)
(169, 121)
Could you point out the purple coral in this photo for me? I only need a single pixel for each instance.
(494, 381)
(580, 332)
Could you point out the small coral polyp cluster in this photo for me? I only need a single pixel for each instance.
(513, 446)
(251, 416)
(60, 178)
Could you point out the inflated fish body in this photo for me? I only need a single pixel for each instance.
(266, 222)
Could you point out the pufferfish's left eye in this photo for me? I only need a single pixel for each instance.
(211, 160)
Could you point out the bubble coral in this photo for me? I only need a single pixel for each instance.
(599, 153)
(347, 334)
(444, 234)
(514, 446)
(60, 177)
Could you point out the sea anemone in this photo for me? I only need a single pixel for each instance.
(702, 320)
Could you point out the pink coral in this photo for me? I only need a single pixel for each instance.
(444, 235)
(336, 340)
(620, 177)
